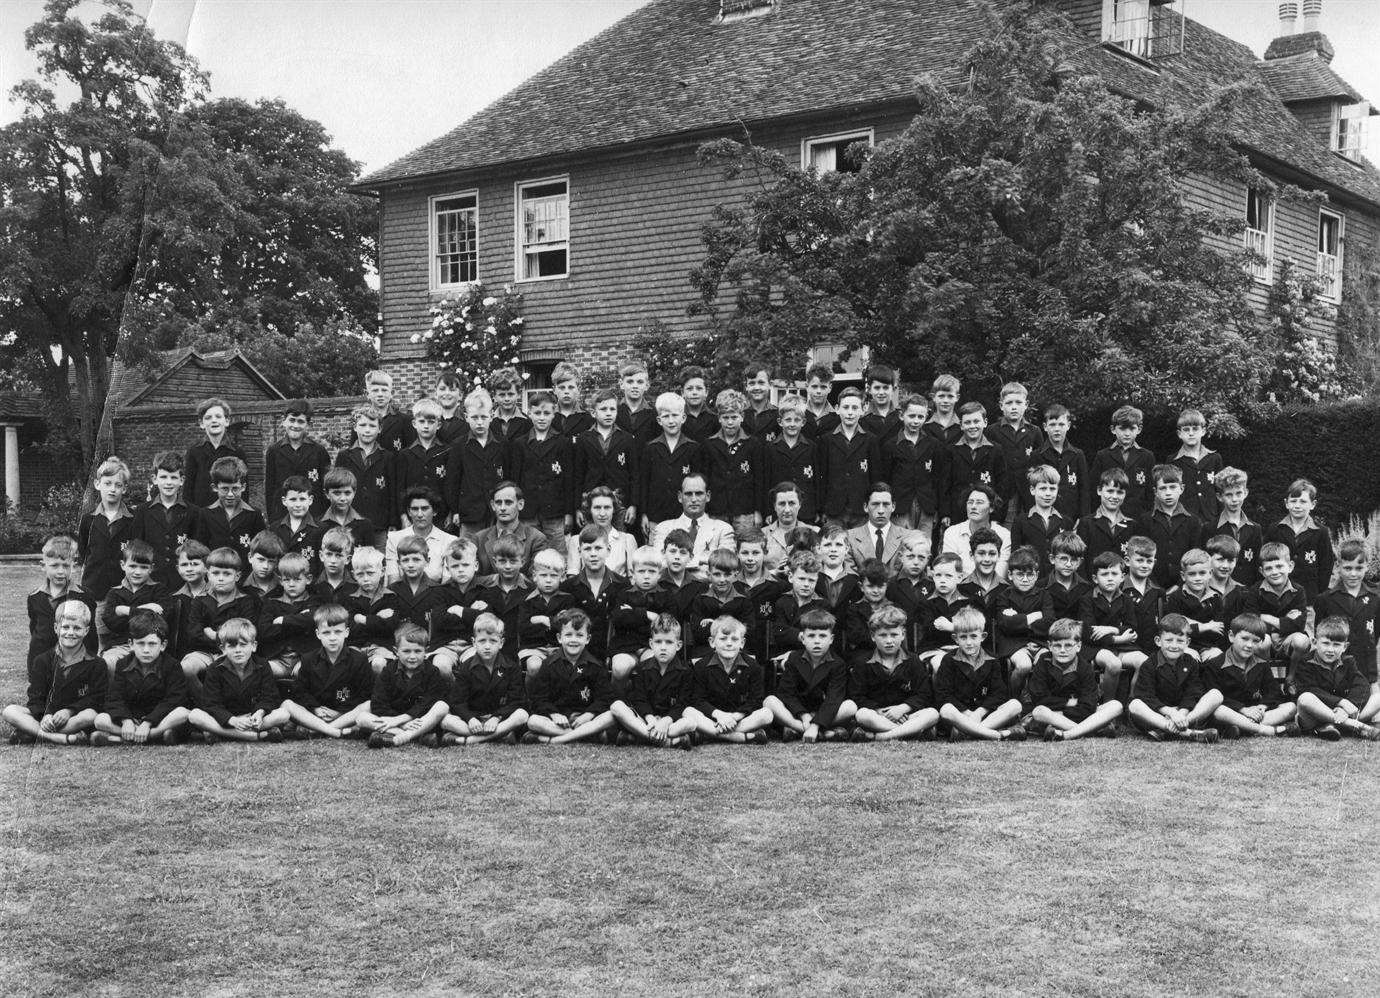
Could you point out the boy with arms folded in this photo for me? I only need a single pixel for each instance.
(811, 699)
(488, 699)
(571, 693)
(239, 699)
(147, 697)
(970, 688)
(1107, 528)
(1063, 689)
(1168, 700)
(287, 624)
(1201, 604)
(372, 608)
(893, 691)
(726, 689)
(1017, 614)
(223, 602)
(67, 685)
(659, 690)
(138, 592)
(409, 695)
(1109, 619)
(1283, 608)
(333, 682)
(538, 613)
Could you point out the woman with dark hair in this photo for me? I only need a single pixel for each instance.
(602, 508)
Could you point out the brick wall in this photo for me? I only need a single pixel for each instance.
(141, 432)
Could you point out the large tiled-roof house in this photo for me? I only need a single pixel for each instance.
(581, 187)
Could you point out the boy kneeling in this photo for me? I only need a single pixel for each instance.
(239, 695)
(409, 697)
(571, 691)
(333, 682)
(970, 688)
(894, 691)
(488, 697)
(726, 696)
(659, 690)
(147, 701)
(1332, 688)
(1063, 688)
(1168, 700)
(66, 685)
(811, 698)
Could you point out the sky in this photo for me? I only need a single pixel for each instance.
(386, 76)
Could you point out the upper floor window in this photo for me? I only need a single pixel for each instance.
(830, 153)
(1349, 134)
(543, 229)
(454, 240)
(1259, 238)
(1147, 29)
(1331, 232)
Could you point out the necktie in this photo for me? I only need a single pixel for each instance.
(694, 530)
(878, 555)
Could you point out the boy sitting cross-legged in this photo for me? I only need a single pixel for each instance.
(811, 698)
(1333, 693)
(67, 685)
(1063, 689)
(571, 692)
(488, 698)
(1168, 700)
(239, 698)
(333, 682)
(147, 697)
(970, 689)
(1253, 701)
(659, 690)
(893, 690)
(726, 696)
(1358, 605)
(409, 696)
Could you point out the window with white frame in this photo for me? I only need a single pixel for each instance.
(829, 153)
(1260, 233)
(1350, 131)
(543, 229)
(1331, 232)
(1126, 24)
(454, 240)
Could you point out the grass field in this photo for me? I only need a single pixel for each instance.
(1117, 868)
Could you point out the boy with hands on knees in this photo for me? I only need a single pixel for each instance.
(1168, 699)
(659, 690)
(1063, 688)
(147, 698)
(1332, 690)
(488, 698)
(811, 698)
(409, 696)
(570, 694)
(970, 689)
(67, 685)
(1253, 701)
(333, 681)
(239, 698)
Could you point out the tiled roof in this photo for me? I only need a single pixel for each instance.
(667, 69)
(16, 407)
(1305, 77)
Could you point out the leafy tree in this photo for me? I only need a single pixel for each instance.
(140, 206)
(310, 362)
(1029, 225)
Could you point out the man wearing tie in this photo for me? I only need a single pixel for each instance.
(706, 534)
(877, 538)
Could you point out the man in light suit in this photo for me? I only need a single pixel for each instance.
(878, 534)
(706, 534)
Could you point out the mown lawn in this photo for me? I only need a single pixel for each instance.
(1120, 868)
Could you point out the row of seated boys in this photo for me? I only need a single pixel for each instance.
(667, 701)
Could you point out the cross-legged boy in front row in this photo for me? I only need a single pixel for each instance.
(1332, 689)
(67, 685)
(1253, 700)
(727, 689)
(811, 698)
(333, 682)
(659, 690)
(1169, 700)
(488, 696)
(571, 691)
(239, 698)
(893, 691)
(409, 697)
(1064, 690)
(147, 698)
(970, 688)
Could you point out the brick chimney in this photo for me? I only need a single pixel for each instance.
(1309, 41)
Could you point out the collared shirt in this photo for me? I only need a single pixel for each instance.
(438, 542)
(957, 540)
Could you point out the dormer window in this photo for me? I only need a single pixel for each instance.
(1349, 134)
(1146, 29)
(741, 10)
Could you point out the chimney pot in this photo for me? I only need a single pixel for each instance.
(1288, 17)
(1312, 13)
